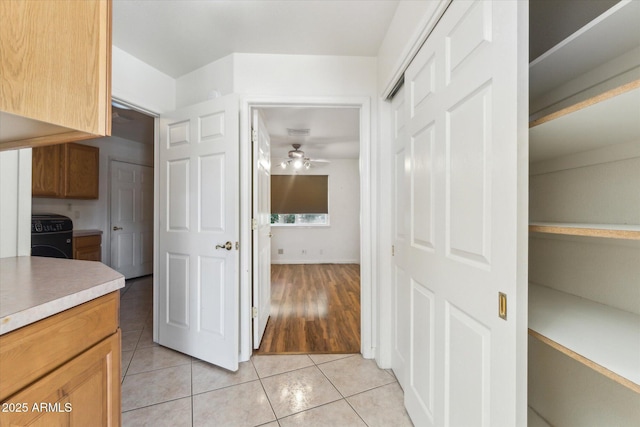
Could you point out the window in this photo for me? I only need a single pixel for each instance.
(299, 200)
(299, 219)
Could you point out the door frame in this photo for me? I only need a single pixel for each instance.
(368, 191)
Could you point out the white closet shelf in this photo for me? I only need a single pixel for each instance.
(603, 338)
(611, 231)
(606, 119)
(610, 35)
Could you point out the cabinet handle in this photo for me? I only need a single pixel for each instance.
(115, 228)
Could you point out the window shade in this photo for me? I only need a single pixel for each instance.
(298, 194)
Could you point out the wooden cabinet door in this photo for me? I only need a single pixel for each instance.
(83, 392)
(87, 248)
(81, 163)
(56, 69)
(46, 172)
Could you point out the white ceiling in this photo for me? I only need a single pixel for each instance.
(177, 37)
(334, 133)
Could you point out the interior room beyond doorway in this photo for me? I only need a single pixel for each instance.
(315, 260)
(315, 308)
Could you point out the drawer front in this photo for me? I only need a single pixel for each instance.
(84, 241)
(28, 353)
(88, 254)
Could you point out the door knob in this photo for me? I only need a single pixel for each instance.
(115, 228)
(228, 246)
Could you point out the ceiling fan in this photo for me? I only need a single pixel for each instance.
(298, 160)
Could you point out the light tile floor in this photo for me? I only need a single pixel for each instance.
(162, 387)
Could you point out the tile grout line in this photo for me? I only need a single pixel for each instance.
(345, 398)
(154, 370)
(157, 404)
(273, 411)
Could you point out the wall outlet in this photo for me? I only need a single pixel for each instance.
(280, 251)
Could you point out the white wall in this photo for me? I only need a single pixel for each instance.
(340, 241)
(140, 84)
(94, 214)
(304, 75)
(15, 203)
(404, 36)
(199, 85)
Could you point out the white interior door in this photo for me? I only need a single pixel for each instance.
(198, 291)
(461, 220)
(262, 226)
(131, 219)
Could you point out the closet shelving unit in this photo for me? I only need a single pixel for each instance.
(599, 336)
(610, 231)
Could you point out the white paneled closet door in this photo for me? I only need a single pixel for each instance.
(461, 190)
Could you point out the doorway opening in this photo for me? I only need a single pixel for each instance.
(319, 267)
(130, 210)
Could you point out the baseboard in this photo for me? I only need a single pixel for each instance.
(315, 261)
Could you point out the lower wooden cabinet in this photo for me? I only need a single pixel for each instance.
(82, 392)
(64, 370)
(88, 248)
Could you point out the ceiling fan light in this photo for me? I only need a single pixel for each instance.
(307, 164)
(283, 165)
(297, 164)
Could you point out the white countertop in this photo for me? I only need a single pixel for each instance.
(32, 288)
(80, 233)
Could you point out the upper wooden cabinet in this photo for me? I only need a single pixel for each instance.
(55, 71)
(68, 171)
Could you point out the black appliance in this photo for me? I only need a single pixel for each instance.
(51, 235)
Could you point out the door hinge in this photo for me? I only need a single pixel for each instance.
(393, 250)
(254, 312)
(502, 305)
(254, 135)
(254, 224)
(237, 246)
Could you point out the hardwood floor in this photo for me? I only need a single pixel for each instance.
(315, 308)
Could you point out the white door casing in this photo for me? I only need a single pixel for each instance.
(198, 283)
(368, 191)
(131, 214)
(460, 188)
(400, 283)
(261, 226)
